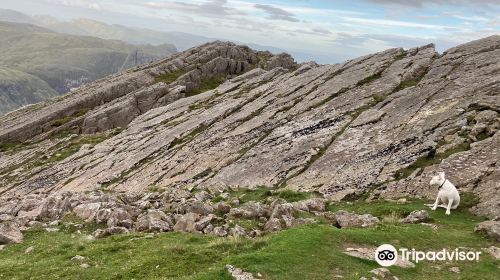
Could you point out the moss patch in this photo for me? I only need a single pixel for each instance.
(12, 147)
(170, 77)
(66, 119)
(430, 159)
(207, 84)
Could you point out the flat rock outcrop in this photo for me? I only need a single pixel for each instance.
(382, 123)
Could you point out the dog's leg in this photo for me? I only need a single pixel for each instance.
(435, 204)
(450, 202)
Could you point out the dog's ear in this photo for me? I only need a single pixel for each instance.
(441, 175)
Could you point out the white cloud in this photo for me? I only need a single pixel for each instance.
(77, 3)
(393, 23)
(275, 13)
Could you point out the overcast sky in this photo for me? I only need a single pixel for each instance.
(343, 29)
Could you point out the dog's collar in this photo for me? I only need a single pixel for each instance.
(442, 184)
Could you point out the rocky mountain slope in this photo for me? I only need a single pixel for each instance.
(223, 117)
(38, 64)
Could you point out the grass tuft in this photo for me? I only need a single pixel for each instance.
(170, 77)
(207, 84)
(430, 159)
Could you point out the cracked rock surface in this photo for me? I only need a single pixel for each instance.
(384, 122)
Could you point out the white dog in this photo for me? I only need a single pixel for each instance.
(447, 194)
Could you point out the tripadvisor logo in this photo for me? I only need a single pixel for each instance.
(387, 255)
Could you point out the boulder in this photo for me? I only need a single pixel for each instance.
(120, 217)
(154, 220)
(200, 208)
(491, 228)
(100, 233)
(220, 231)
(310, 205)
(222, 207)
(250, 210)
(351, 220)
(284, 213)
(485, 116)
(237, 231)
(239, 274)
(6, 218)
(10, 233)
(416, 217)
(55, 206)
(204, 222)
(383, 273)
(10, 207)
(273, 224)
(87, 211)
(494, 252)
(187, 223)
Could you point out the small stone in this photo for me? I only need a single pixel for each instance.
(494, 251)
(220, 231)
(29, 250)
(235, 202)
(433, 226)
(187, 223)
(455, 269)
(416, 217)
(238, 231)
(491, 228)
(382, 272)
(402, 201)
(54, 223)
(99, 233)
(10, 233)
(51, 229)
(78, 258)
(84, 265)
(273, 224)
(35, 224)
(239, 274)
(351, 220)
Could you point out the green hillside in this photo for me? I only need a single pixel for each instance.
(18, 88)
(42, 63)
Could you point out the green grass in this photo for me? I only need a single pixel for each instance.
(66, 119)
(67, 149)
(409, 83)
(430, 159)
(370, 79)
(378, 98)
(307, 252)
(188, 137)
(207, 84)
(292, 196)
(170, 77)
(13, 146)
(156, 189)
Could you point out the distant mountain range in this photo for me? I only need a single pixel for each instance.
(43, 57)
(37, 63)
(181, 40)
(89, 27)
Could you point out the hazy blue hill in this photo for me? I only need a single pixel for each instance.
(15, 16)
